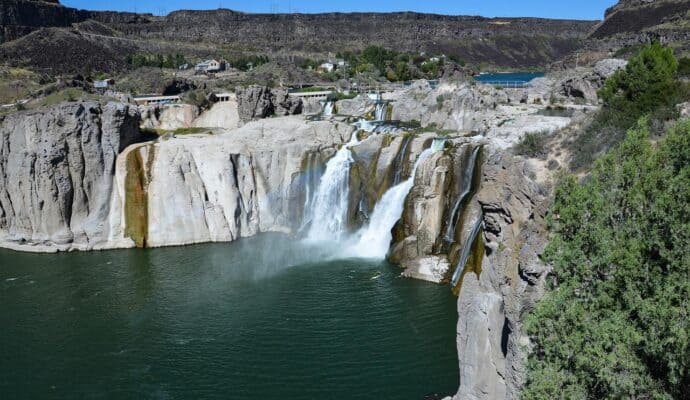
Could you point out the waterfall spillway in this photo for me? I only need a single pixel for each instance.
(380, 111)
(328, 214)
(327, 109)
(467, 178)
(398, 163)
(312, 176)
(374, 240)
(466, 249)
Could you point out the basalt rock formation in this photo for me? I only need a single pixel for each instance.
(256, 102)
(516, 42)
(56, 171)
(632, 22)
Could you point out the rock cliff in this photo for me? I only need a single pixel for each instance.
(473, 216)
(69, 182)
(256, 102)
(632, 22)
(56, 171)
(515, 42)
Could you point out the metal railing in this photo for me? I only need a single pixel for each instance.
(506, 84)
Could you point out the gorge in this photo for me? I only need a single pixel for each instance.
(338, 192)
(218, 204)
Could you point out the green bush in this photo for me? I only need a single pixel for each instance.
(245, 63)
(648, 86)
(615, 322)
(532, 144)
(684, 67)
(157, 60)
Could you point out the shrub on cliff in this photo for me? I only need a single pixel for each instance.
(615, 322)
(648, 86)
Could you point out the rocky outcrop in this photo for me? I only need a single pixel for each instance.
(256, 102)
(500, 115)
(491, 342)
(516, 42)
(636, 16)
(56, 170)
(584, 83)
(637, 22)
(65, 187)
(233, 185)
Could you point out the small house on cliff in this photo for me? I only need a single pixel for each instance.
(209, 66)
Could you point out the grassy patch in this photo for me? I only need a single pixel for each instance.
(532, 144)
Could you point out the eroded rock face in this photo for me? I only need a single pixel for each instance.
(256, 102)
(491, 341)
(56, 172)
(584, 83)
(232, 185)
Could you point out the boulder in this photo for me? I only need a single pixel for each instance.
(256, 102)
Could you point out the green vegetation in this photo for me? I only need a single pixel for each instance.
(648, 86)
(196, 97)
(177, 132)
(157, 60)
(684, 67)
(615, 322)
(532, 144)
(379, 61)
(246, 63)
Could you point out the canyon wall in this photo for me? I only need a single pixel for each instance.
(56, 171)
(76, 176)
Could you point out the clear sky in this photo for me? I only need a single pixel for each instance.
(569, 9)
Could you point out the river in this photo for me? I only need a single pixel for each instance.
(266, 317)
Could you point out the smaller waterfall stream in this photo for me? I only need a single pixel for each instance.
(329, 208)
(467, 178)
(327, 109)
(374, 240)
(398, 163)
(466, 249)
(380, 111)
(312, 177)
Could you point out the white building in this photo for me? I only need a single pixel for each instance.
(209, 66)
(327, 67)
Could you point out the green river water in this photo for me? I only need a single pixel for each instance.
(262, 318)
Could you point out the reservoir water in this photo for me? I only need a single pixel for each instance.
(262, 318)
(508, 78)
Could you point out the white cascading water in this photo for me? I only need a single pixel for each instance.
(327, 109)
(373, 240)
(380, 112)
(329, 207)
(465, 253)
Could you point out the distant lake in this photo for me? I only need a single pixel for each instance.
(508, 78)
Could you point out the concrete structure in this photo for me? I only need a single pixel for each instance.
(321, 95)
(149, 100)
(224, 97)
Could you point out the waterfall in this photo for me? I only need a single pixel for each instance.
(374, 240)
(467, 178)
(398, 164)
(327, 109)
(312, 175)
(380, 111)
(466, 249)
(328, 214)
